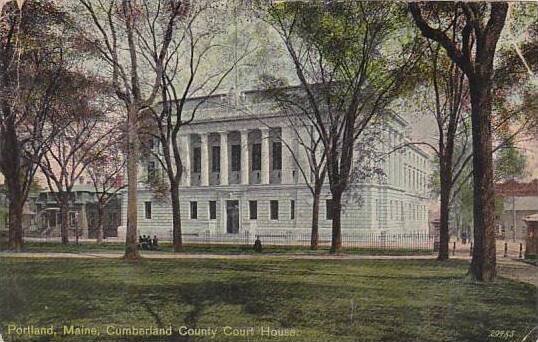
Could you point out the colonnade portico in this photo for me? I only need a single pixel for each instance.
(244, 156)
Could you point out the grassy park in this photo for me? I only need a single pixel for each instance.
(319, 300)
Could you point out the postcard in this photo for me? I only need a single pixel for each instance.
(263, 170)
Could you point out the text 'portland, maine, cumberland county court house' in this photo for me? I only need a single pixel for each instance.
(241, 179)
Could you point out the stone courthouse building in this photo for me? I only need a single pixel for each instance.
(240, 177)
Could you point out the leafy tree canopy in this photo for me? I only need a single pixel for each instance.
(510, 163)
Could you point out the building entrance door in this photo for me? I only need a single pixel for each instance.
(232, 217)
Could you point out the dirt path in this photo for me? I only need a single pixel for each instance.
(151, 255)
(507, 267)
(518, 270)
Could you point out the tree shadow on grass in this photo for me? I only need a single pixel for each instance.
(192, 319)
(86, 294)
(257, 298)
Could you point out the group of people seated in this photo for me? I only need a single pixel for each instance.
(146, 243)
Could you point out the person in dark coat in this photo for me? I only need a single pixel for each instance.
(258, 245)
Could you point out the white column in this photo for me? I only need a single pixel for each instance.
(185, 152)
(265, 156)
(400, 163)
(244, 158)
(83, 221)
(392, 158)
(223, 158)
(287, 138)
(204, 177)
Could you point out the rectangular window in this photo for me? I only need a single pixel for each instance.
(292, 210)
(274, 210)
(277, 156)
(236, 157)
(72, 219)
(329, 209)
(194, 210)
(253, 209)
(256, 157)
(151, 171)
(424, 180)
(197, 160)
(215, 159)
(212, 210)
(147, 210)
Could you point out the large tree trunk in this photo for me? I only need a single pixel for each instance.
(445, 215)
(11, 161)
(314, 238)
(484, 258)
(445, 178)
(15, 224)
(100, 215)
(336, 241)
(64, 210)
(479, 72)
(131, 239)
(176, 217)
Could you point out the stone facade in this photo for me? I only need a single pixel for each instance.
(242, 174)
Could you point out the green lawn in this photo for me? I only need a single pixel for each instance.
(88, 247)
(396, 301)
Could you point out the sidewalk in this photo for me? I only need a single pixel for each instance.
(517, 270)
(513, 248)
(159, 255)
(508, 267)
